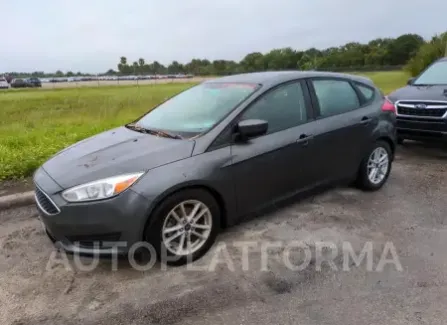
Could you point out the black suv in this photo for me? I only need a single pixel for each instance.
(421, 106)
(34, 82)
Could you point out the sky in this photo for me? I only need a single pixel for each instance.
(91, 35)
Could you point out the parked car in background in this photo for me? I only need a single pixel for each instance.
(421, 106)
(212, 154)
(19, 83)
(3, 83)
(34, 82)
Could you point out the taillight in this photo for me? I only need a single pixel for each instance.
(388, 106)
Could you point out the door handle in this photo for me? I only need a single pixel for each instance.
(304, 139)
(365, 120)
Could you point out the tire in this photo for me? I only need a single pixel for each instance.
(363, 178)
(159, 222)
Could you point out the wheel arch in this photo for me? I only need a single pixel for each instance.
(390, 142)
(214, 192)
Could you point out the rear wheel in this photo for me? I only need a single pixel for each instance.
(184, 226)
(375, 167)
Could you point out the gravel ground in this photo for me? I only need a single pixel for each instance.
(410, 211)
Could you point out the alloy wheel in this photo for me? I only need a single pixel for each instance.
(187, 227)
(378, 164)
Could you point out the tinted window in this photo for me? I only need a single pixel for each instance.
(335, 96)
(434, 75)
(282, 108)
(197, 109)
(367, 92)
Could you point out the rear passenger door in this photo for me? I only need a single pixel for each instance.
(343, 128)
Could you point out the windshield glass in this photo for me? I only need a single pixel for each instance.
(197, 109)
(434, 75)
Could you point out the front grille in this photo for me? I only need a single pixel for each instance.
(44, 202)
(431, 109)
(421, 112)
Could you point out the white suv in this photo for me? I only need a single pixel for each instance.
(3, 83)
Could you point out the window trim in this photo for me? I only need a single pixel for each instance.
(364, 100)
(316, 103)
(231, 125)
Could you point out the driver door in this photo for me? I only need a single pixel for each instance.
(277, 164)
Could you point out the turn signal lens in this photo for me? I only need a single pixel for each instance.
(120, 187)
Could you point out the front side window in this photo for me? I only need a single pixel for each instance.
(282, 108)
(197, 109)
(436, 74)
(335, 96)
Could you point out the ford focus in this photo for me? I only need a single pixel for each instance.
(211, 155)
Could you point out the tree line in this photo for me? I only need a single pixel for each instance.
(409, 50)
(374, 55)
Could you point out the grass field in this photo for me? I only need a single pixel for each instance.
(35, 124)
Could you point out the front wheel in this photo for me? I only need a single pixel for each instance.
(375, 167)
(184, 226)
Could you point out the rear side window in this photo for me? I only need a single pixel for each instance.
(367, 92)
(335, 96)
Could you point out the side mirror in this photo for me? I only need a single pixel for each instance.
(252, 128)
(410, 81)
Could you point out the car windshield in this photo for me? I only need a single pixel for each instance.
(436, 74)
(197, 109)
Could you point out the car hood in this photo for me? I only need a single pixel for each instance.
(420, 93)
(114, 152)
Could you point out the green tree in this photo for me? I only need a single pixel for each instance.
(135, 67)
(253, 62)
(141, 64)
(403, 48)
(110, 72)
(427, 54)
(175, 67)
(123, 67)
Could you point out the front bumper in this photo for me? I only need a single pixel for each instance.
(100, 227)
(422, 129)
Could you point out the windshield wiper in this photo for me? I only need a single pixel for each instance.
(138, 128)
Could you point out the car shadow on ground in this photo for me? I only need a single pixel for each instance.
(431, 150)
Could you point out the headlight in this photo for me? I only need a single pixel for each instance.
(101, 189)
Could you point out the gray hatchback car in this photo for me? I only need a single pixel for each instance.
(207, 157)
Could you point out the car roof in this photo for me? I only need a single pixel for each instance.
(277, 77)
(442, 59)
